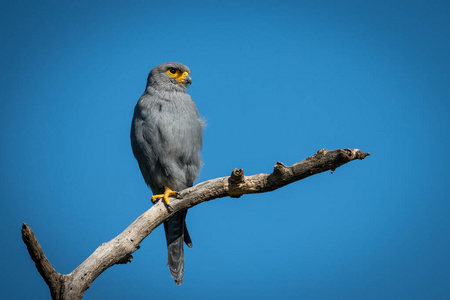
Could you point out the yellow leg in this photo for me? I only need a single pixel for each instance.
(167, 193)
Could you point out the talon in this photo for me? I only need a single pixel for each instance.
(167, 193)
(156, 197)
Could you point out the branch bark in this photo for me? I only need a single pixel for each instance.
(118, 250)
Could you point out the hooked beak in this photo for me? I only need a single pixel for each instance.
(185, 78)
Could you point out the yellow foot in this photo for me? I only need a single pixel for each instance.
(167, 193)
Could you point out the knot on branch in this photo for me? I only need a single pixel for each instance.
(280, 170)
(237, 176)
(235, 181)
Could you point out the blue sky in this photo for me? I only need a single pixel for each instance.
(274, 80)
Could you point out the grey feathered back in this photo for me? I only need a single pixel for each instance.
(166, 138)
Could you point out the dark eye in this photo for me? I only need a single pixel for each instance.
(173, 71)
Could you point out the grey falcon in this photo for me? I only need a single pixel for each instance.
(166, 138)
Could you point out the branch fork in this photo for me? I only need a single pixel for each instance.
(118, 250)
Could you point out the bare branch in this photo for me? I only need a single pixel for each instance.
(53, 279)
(119, 249)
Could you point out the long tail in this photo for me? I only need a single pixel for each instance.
(176, 234)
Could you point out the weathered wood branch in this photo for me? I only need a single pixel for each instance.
(119, 250)
(54, 280)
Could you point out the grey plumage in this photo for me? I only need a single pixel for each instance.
(166, 138)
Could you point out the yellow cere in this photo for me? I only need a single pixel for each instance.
(182, 76)
(177, 74)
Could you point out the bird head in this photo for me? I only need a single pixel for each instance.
(170, 76)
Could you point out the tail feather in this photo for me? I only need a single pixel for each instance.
(176, 234)
(187, 237)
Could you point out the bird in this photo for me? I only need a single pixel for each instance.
(166, 139)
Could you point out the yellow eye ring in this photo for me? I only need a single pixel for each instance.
(173, 72)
